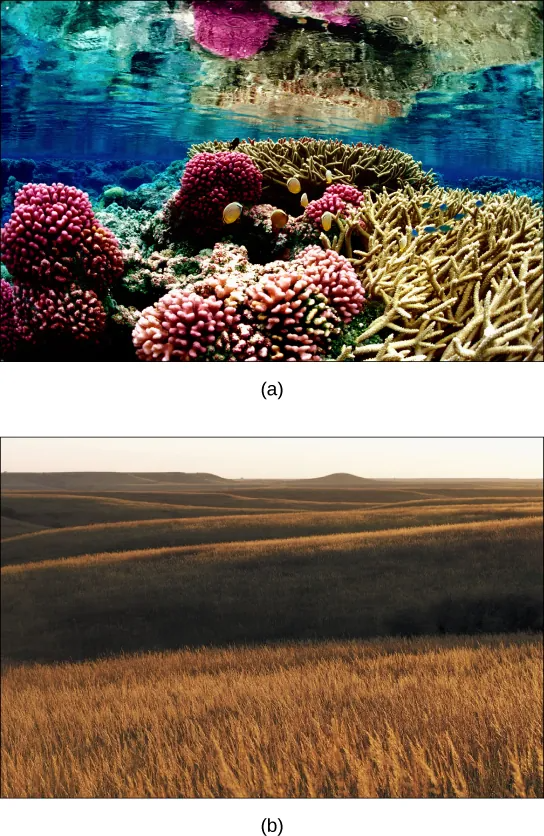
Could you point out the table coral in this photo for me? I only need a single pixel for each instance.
(210, 182)
(363, 165)
(53, 237)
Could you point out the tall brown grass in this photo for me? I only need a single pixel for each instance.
(464, 578)
(406, 718)
(159, 533)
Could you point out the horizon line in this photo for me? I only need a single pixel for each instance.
(268, 478)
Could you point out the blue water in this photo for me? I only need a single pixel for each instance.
(97, 81)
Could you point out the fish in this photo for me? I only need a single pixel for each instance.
(429, 229)
(279, 218)
(232, 212)
(328, 176)
(293, 185)
(458, 216)
(443, 206)
(479, 203)
(304, 200)
(234, 144)
(326, 220)
(445, 228)
(415, 233)
(426, 205)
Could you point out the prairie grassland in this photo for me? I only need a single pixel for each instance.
(301, 495)
(71, 541)
(413, 718)
(465, 578)
(58, 511)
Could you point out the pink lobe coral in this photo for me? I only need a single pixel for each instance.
(66, 311)
(292, 311)
(234, 29)
(53, 237)
(183, 325)
(335, 199)
(335, 277)
(8, 320)
(209, 183)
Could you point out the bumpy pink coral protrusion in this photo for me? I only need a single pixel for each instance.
(335, 277)
(183, 325)
(335, 199)
(8, 321)
(209, 183)
(234, 29)
(288, 303)
(62, 312)
(53, 236)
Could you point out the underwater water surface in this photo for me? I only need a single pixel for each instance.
(109, 97)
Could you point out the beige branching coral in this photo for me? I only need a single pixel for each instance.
(470, 292)
(365, 166)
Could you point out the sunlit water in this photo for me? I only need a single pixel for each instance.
(135, 80)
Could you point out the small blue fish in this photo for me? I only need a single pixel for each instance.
(429, 229)
(426, 205)
(445, 228)
(479, 203)
(458, 216)
(415, 233)
(443, 206)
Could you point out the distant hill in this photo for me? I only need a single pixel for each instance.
(170, 482)
(105, 481)
(340, 479)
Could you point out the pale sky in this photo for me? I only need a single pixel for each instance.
(282, 457)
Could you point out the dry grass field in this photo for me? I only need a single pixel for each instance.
(166, 636)
(408, 718)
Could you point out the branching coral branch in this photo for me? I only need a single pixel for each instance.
(469, 289)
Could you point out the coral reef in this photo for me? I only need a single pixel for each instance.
(362, 165)
(8, 320)
(151, 276)
(501, 185)
(278, 311)
(209, 183)
(53, 313)
(125, 223)
(357, 255)
(52, 236)
(460, 276)
(137, 175)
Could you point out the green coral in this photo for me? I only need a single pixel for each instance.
(114, 195)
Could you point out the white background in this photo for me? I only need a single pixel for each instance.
(319, 399)
(243, 817)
